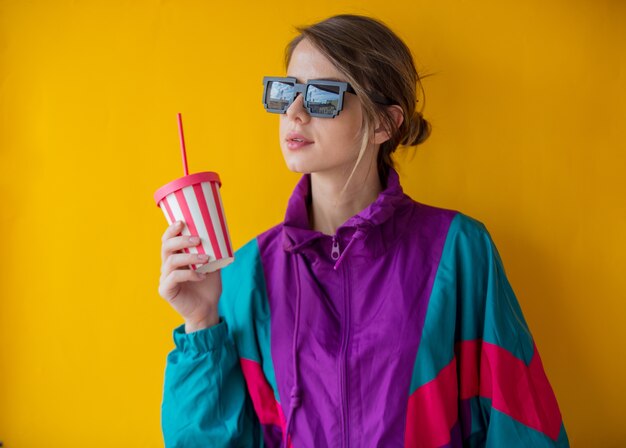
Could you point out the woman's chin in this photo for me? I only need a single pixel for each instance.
(298, 170)
(298, 167)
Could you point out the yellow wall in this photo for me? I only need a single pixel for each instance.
(528, 113)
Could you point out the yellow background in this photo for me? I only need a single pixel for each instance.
(528, 113)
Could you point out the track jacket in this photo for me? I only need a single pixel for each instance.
(401, 330)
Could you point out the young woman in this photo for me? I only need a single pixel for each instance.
(365, 319)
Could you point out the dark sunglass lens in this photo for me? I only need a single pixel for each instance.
(323, 99)
(279, 95)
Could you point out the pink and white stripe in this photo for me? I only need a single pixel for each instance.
(200, 207)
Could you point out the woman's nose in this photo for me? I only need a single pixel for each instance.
(296, 110)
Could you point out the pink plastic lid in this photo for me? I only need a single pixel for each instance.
(185, 181)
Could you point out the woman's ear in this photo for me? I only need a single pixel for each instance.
(381, 133)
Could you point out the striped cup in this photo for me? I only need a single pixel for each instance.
(195, 199)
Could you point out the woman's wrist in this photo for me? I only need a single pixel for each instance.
(191, 326)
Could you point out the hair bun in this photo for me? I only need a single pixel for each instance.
(418, 130)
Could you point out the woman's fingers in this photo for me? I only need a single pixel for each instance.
(172, 230)
(169, 286)
(173, 243)
(176, 261)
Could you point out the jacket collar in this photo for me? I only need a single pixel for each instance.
(296, 229)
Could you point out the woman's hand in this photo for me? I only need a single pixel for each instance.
(193, 295)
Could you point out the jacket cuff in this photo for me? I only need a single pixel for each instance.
(201, 341)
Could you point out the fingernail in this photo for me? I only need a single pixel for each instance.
(194, 239)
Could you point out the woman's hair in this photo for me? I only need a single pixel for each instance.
(374, 60)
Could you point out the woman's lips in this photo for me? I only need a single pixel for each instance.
(297, 141)
(293, 144)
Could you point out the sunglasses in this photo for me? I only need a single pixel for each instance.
(321, 98)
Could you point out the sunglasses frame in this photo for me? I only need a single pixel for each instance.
(303, 89)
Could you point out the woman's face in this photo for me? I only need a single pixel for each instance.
(330, 144)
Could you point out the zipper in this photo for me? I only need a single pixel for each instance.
(343, 366)
(334, 253)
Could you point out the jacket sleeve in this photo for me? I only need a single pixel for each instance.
(205, 400)
(506, 399)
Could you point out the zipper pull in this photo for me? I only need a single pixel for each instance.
(334, 254)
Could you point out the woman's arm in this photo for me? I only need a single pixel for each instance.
(506, 399)
(205, 400)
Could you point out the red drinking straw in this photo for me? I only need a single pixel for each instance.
(182, 143)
